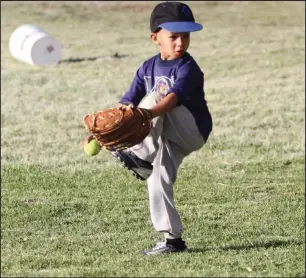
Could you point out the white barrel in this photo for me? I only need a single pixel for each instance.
(32, 45)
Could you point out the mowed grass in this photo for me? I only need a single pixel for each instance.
(241, 197)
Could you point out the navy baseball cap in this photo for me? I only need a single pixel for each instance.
(174, 17)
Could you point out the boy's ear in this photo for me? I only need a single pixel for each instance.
(154, 38)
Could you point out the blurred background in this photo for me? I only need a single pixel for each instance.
(244, 188)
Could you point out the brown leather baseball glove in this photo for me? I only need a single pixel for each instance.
(119, 127)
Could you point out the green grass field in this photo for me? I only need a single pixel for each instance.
(241, 197)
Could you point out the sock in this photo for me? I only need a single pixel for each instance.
(176, 241)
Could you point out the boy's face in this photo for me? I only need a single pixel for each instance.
(172, 45)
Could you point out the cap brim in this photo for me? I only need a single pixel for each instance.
(186, 26)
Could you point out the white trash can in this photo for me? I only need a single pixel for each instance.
(32, 45)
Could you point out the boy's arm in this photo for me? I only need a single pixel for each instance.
(165, 105)
(136, 91)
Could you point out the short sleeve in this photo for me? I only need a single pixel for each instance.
(137, 89)
(189, 81)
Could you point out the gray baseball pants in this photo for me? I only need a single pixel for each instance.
(173, 136)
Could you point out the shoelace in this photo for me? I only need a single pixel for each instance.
(159, 245)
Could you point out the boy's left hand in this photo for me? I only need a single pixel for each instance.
(87, 140)
(147, 113)
(119, 127)
(122, 106)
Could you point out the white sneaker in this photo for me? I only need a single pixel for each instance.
(167, 246)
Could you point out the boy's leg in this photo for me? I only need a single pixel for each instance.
(177, 126)
(173, 137)
(147, 149)
(138, 159)
(180, 127)
(164, 215)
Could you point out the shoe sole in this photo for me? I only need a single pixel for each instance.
(164, 253)
(122, 162)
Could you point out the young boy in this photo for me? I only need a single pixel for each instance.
(170, 86)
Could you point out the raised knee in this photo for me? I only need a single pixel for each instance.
(150, 100)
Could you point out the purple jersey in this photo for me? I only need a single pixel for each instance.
(180, 76)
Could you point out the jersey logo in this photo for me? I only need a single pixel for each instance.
(162, 84)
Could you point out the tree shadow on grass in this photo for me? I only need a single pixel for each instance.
(269, 244)
(78, 60)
